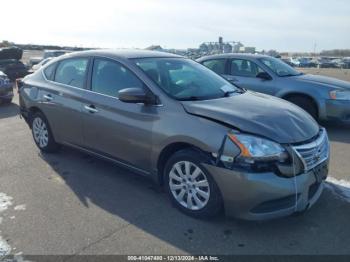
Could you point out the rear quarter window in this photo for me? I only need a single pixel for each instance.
(49, 71)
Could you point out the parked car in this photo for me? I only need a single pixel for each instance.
(42, 63)
(345, 64)
(54, 53)
(324, 98)
(307, 62)
(6, 89)
(293, 61)
(34, 60)
(287, 61)
(11, 53)
(211, 144)
(326, 63)
(47, 54)
(13, 68)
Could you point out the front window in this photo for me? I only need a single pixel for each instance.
(184, 79)
(246, 68)
(108, 77)
(279, 67)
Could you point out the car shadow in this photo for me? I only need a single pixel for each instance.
(321, 230)
(8, 110)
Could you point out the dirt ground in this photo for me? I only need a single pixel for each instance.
(343, 74)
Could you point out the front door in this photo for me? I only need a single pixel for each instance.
(243, 73)
(114, 128)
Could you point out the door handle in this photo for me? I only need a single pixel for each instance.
(91, 108)
(48, 97)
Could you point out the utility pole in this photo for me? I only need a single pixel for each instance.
(315, 45)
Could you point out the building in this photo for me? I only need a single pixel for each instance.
(223, 47)
(247, 49)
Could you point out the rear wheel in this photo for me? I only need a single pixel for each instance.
(190, 186)
(42, 133)
(305, 103)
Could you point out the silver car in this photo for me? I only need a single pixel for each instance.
(211, 145)
(324, 98)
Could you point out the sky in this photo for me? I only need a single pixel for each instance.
(293, 25)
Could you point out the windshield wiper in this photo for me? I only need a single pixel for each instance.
(238, 90)
(287, 75)
(189, 98)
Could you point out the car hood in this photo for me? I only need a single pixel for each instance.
(258, 114)
(324, 80)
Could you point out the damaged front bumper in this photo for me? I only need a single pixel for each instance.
(260, 196)
(273, 189)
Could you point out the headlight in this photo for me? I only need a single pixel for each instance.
(257, 148)
(339, 95)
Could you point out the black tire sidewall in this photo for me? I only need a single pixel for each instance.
(214, 204)
(51, 146)
(305, 104)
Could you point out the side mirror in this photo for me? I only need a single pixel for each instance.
(264, 76)
(135, 95)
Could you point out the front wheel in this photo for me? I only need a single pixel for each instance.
(190, 186)
(42, 133)
(305, 103)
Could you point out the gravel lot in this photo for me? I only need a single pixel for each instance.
(71, 203)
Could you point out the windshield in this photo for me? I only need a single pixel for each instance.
(184, 79)
(279, 67)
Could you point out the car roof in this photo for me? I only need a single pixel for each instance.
(232, 55)
(123, 53)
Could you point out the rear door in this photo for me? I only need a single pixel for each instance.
(218, 65)
(111, 127)
(61, 99)
(244, 73)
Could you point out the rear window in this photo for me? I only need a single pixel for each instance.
(217, 65)
(72, 72)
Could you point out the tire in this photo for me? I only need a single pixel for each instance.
(305, 103)
(42, 134)
(205, 197)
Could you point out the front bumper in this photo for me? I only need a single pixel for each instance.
(338, 110)
(261, 196)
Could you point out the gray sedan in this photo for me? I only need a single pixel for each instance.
(212, 145)
(324, 98)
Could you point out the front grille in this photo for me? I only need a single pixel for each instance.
(314, 152)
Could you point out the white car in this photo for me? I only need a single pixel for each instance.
(42, 63)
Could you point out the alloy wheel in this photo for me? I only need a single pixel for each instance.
(40, 132)
(189, 185)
